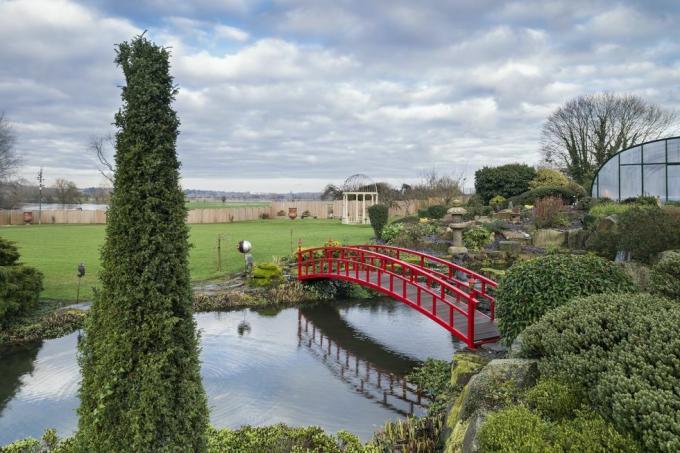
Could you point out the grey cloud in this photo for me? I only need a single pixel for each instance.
(293, 91)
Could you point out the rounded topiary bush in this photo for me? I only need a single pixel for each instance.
(531, 288)
(623, 350)
(665, 277)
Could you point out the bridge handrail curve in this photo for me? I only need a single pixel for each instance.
(425, 289)
(429, 257)
(404, 265)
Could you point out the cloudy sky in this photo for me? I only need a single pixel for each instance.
(285, 95)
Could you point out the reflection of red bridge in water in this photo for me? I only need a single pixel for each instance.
(456, 298)
(385, 387)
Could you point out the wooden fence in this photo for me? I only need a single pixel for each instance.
(318, 209)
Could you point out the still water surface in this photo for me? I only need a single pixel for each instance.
(337, 366)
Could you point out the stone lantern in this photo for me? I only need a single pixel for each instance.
(456, 214)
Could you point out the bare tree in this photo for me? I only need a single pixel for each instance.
(582, 134)
(66, 192)
(331, 192)
(443, 188)
(8, 158)
(101, 146)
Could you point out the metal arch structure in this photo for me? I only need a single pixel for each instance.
(671, 160)
(452, 297)
(358, 187)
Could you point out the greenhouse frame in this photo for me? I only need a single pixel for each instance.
(651, 169)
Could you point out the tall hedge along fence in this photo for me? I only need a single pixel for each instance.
(530, 288)
(623, 351)
(20, 285)
(378, 215)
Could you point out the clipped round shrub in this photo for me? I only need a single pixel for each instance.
(567, 194)
(554, 399)
(623, 349)
(378, 215)
(9, 254)
(664, 278)
(531, 288)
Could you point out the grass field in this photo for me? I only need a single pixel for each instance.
(228, 204)
(56, 250)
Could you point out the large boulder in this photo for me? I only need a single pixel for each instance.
(489, 389)
(549, 238)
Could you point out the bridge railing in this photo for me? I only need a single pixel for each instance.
(476, 282)
(368, 268)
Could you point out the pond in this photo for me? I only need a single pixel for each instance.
(339, 365)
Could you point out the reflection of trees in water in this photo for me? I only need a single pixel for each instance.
(16, 362)
(346, 353)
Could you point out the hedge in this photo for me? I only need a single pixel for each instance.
(531, 288)
(378, 215)
(506, 180)
(624, 351)
(529, 197)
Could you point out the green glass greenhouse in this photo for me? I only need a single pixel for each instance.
(652, 168)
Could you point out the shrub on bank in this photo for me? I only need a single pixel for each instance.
(665, 277)
(378, 215)
(530, 288)
(623, 349)
(20, 285)
(517, 429)
(266, 274)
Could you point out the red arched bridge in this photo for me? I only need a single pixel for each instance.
(456, 298)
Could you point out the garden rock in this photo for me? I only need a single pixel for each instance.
(470, 441)
(515, 235)
(549, 238)
(607, 225)
(482, 393)
(457, 250)
(465, 365)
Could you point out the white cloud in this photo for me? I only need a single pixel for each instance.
(292, 94)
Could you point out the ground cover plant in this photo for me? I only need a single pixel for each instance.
(56, 250)
(620, 349)
(530, 288)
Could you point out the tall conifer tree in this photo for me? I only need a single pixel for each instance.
(141, 387)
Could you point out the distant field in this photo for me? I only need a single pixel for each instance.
(56, 250)
(228, 204)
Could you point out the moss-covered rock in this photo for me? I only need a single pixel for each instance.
(266, 274)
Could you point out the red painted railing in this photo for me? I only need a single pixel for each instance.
(447, 301)
(473, 281)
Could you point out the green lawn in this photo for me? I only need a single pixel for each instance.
(228, 204)
(57, 249)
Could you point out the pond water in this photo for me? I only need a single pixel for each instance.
(337, 365)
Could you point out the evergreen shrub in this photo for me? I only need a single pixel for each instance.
(436, 211)
(665, 277)
(505, 180)
(517, 429)
(141, 386)
(378, 215)
(623, 350)
(567, 194)
(530, 288)
(20, 285)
